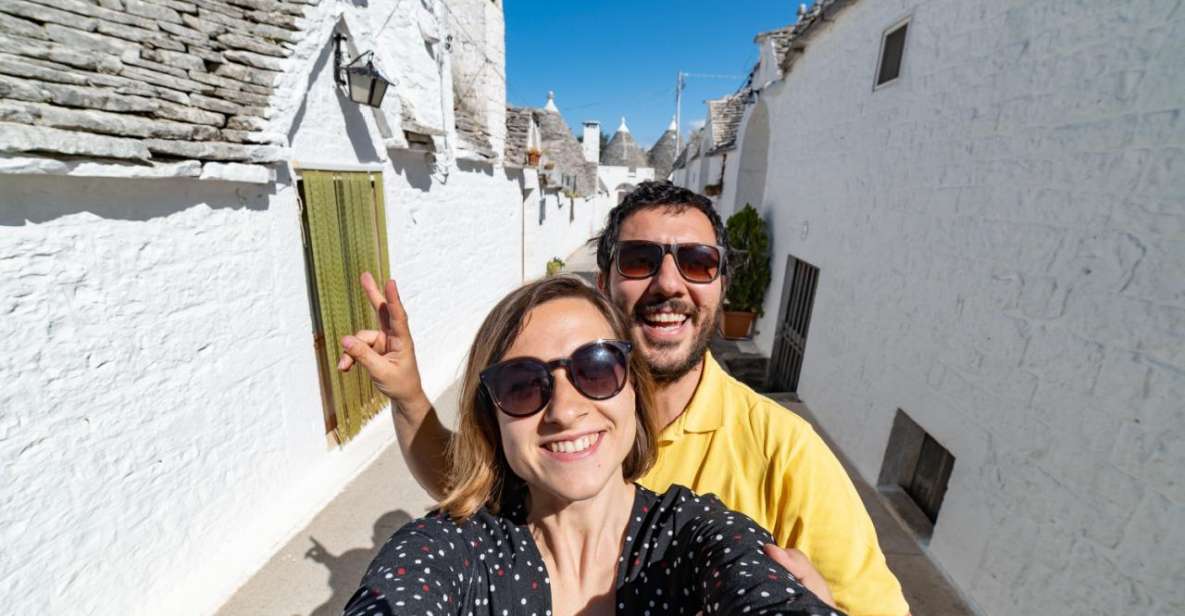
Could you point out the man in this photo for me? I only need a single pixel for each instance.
(662, 260)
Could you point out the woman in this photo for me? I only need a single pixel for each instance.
(543, 515)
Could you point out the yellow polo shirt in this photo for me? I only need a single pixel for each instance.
(761, 459)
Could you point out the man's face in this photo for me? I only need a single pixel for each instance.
(672, 319)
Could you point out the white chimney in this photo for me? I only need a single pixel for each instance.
(592, 141)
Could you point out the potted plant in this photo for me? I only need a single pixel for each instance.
(533, 155)
(748, 272)
(555, 266)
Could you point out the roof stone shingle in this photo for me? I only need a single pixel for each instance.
(662, 156)
(518, 130)
(561, 148)
(180, 78)
(623, 151)
(725, 116)
(795, 38)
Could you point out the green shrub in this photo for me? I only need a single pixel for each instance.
(748, 265)
(555, 266)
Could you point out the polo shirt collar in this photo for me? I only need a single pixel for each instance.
(705, 412)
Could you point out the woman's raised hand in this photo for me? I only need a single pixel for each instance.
(387, 354)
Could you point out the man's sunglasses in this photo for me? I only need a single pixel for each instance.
(697, 263)
(523, 386)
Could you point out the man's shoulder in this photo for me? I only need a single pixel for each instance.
(768, 419)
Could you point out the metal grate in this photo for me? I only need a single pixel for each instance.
(794, 319)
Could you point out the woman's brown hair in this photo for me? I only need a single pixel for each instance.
(478, 471)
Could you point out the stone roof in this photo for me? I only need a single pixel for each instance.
(563, 151)
(471, 130)
(781, 38)
(690, 149)
(149, 81)
(662, 155)
(725, 116)
(518, 130)
(623, 150)
(821, 11)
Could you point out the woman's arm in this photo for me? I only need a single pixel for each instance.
(424, 567)
(389, 357)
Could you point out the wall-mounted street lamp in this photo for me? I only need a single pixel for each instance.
(359, 78)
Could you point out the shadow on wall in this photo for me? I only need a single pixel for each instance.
(414, 166)
(357, 131)
(475, 166)
(38, 199)
(346, 569)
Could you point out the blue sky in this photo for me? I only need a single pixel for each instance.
(609, 58)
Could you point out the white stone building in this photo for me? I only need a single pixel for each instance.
(163, 427)
(981, 207)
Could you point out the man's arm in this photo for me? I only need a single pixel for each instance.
(389, 357)
(820, 513)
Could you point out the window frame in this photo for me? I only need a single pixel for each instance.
(904, 22)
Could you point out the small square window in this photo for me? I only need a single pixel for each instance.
(892, 52)
(914, 475)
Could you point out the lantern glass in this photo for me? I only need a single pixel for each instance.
(365, 84)
(377, 91)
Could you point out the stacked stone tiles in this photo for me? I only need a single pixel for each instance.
(151, 81)
(561, 148)
(791, 41)
(662, 156)
(471, 129)
(725, 115)
(623, 151)
(518, 128)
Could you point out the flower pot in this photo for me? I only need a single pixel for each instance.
(533, 158)
(738, 325)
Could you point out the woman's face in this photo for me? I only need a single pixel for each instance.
(573, 447)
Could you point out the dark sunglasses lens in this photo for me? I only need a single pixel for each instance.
(699, 262)
(598, 370)
(638, 260)
(521, 387)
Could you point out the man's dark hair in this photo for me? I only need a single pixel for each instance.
(649, 195)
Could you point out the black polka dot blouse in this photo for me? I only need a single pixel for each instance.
(683, 554)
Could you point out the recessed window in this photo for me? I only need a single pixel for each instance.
(892, 51)
(914, 475)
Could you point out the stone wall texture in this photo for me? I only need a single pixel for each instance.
(1001, 238)
(161, 431)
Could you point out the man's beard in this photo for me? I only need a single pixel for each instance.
(699, 344)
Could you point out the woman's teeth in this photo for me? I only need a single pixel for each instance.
(573, 446)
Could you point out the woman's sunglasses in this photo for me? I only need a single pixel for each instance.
(697, 263)
(523, 386)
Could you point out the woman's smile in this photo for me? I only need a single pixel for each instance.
(570, 448)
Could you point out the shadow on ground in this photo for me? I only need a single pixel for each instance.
(346, 569)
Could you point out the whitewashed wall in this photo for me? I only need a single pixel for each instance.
(1001, 239)
(613, 176)
(557, 235)
(162, 428)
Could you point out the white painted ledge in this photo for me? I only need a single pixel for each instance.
(226, 172)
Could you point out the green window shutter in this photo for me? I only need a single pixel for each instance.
(348, 234)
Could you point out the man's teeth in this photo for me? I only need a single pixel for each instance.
(666, 317)
(574, 446)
